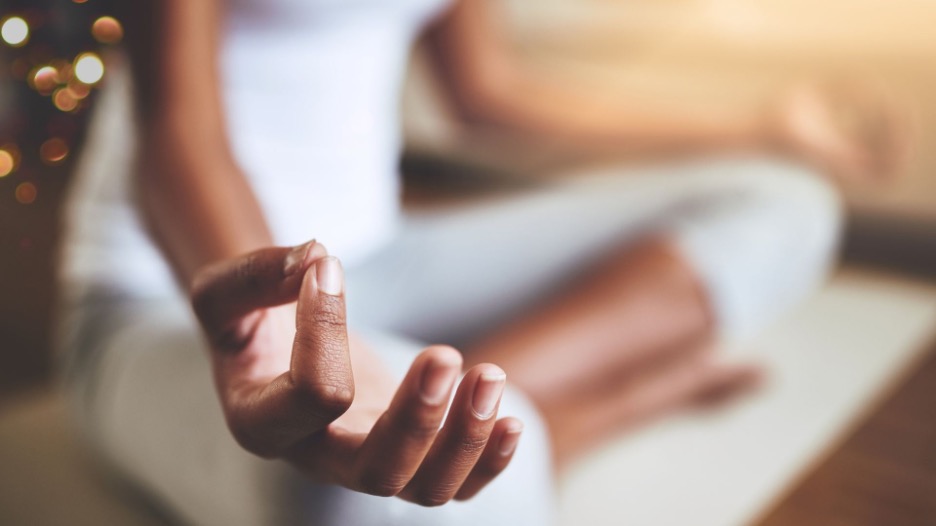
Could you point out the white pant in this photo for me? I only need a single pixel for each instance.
(760, 235)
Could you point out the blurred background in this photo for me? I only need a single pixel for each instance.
(870, 455)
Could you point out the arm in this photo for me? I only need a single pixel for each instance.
(284, 375)
(490, 86)
(188, 181)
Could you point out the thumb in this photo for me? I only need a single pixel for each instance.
(319, 386)
(224, 293)
(321, 361)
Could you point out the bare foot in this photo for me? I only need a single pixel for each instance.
(690, 378)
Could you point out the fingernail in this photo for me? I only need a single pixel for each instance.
(437, 382)
(297, 258)
(329, 276)
(487, 393)
(509, 441)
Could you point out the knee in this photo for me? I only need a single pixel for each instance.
(772, 238)
(803, 209)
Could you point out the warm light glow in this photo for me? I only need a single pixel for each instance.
(64, 99)
(26, 193)
(12, 149)
(89, 68)
(46, 79)
(79, 90)
(15, 31)
(107, 30)
(53, 151)
(6, 163)
(19, 68)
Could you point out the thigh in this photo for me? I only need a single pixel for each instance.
(152, 412)
(455, 274)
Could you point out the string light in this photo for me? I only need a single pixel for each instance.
(26, 193)
(14, 31)
(89, 68)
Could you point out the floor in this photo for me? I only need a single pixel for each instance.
(831, 362)
(884, 473)
(873, 468)
(817, 443)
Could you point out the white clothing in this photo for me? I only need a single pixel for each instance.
(311, 91)
(760, 233)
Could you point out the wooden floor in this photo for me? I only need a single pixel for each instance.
(884, 473)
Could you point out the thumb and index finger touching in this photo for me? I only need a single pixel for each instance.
(269, 415)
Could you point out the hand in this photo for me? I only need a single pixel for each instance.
(853, 134)
(301, 402)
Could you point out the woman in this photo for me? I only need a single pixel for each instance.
(264, 124)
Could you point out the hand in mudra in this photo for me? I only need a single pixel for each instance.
(291, 391)
(853, 133)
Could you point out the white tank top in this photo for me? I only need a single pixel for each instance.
(311, 89)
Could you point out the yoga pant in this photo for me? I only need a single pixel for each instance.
(759, 233)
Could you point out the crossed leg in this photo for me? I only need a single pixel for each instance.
(601, 296)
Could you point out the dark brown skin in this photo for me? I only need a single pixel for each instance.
(280, 349)
(291, 380)
(850, 133)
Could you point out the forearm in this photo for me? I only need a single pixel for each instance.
(195, 198)
(491, 87)
(554, 111)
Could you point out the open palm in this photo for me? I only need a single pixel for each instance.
(337, 414)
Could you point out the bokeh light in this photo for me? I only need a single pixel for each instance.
(78, 89)
(53, 151)
(89, 68)
(7, 163)
(14, 31)
(46, 79)
(107, 30)
(64, 99)
(13, 149)
(26, 193)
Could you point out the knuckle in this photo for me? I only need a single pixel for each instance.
(328, 399)
(382, 484)
(472, 445)
(329, 318)
(200, 295)
(246, 272)
(418, 424)
(435, 496)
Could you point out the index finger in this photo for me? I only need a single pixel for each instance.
(225, 292)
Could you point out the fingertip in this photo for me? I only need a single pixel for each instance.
(510, 424)
(301, 257)
(509, 436)
(488, 388)
(488, 372)
(440, 367)
(329, 276)
(443, 355)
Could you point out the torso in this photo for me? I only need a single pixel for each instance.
(311, 90)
